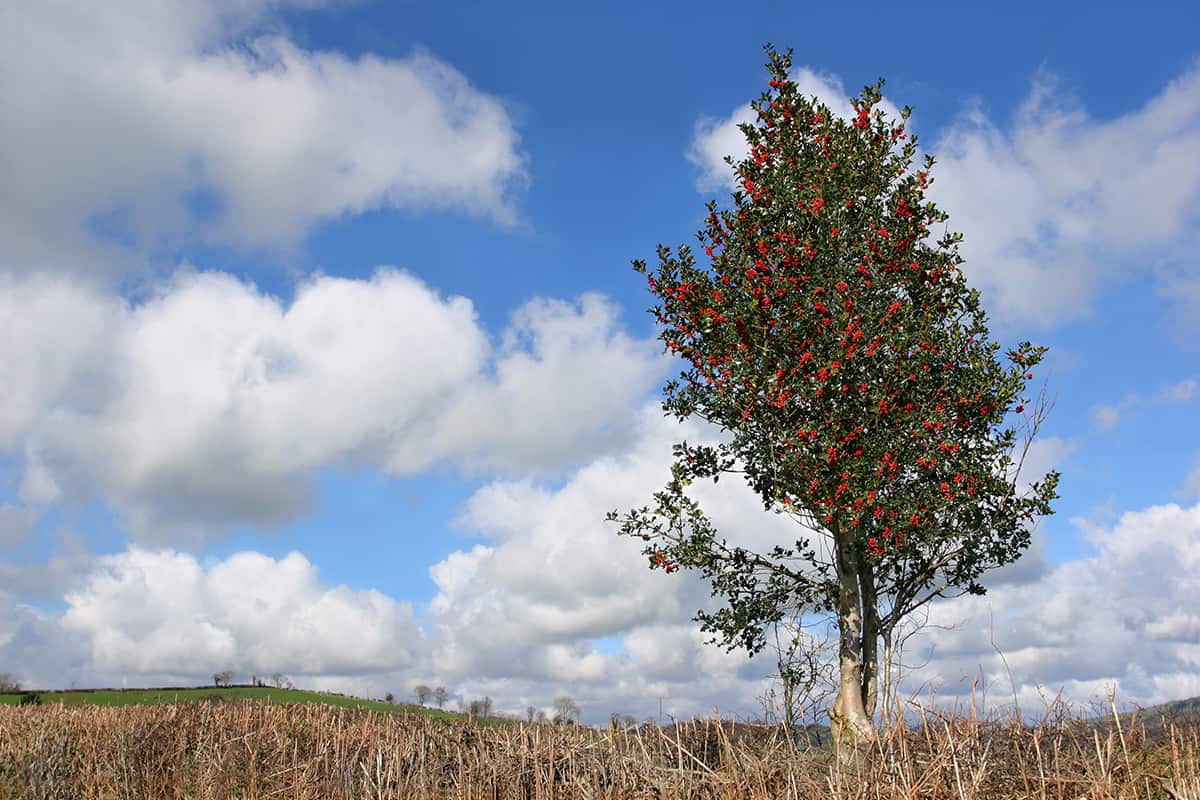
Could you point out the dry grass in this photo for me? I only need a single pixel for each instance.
(251, 749)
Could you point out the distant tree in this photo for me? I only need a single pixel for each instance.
(540, 717)
(629, 721)
(481, 708)
(389, 698)
(8, 683)
(281, 681)
(222, 678)
(565, 709)
(529, 713)
(440, 695)
(422, 693)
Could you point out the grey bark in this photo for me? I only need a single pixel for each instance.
(850, 724)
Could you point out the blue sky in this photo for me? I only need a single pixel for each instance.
(323, 353)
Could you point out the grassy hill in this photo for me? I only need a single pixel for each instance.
(143, 697)
(1157, 718)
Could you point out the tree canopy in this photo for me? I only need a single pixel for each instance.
(830, 335)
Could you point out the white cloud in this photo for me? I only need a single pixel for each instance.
(185, 426)
(37, 651)
(163, 613)
(556, 572)
(1066, 196)
(1119, 616)
(713, 140)
(129, 113)
(521, 617)
(1045, 453)
(547, 577)
(1180, 392)
(563, 381)
(1179, 627)
(1107, 416)
(528, 607)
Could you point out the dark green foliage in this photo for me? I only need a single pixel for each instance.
(835, 343)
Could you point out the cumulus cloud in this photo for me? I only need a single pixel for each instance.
(555, 572)
(1069, 196)
(1117, 617)
(185, 426)
(1065, 200)
(151, 617)
(553, 575)
(553, 602)
(531, 607)
(563, 380)
(37, 651)
(163, 613)
(1180, 626)
(155, 123)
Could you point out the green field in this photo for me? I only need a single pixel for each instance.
(145, 697)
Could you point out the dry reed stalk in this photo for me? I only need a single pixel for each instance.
(248, 750)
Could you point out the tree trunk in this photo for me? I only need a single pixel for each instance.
(850, 724)
(870, 639)
(789, 703)
(888, 690)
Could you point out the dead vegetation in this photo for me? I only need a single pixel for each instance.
(251, 749)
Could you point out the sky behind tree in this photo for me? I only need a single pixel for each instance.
(322, 353)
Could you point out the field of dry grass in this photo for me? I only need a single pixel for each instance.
(250, 749)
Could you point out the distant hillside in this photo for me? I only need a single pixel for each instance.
(1156, 719)
(141, 697)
